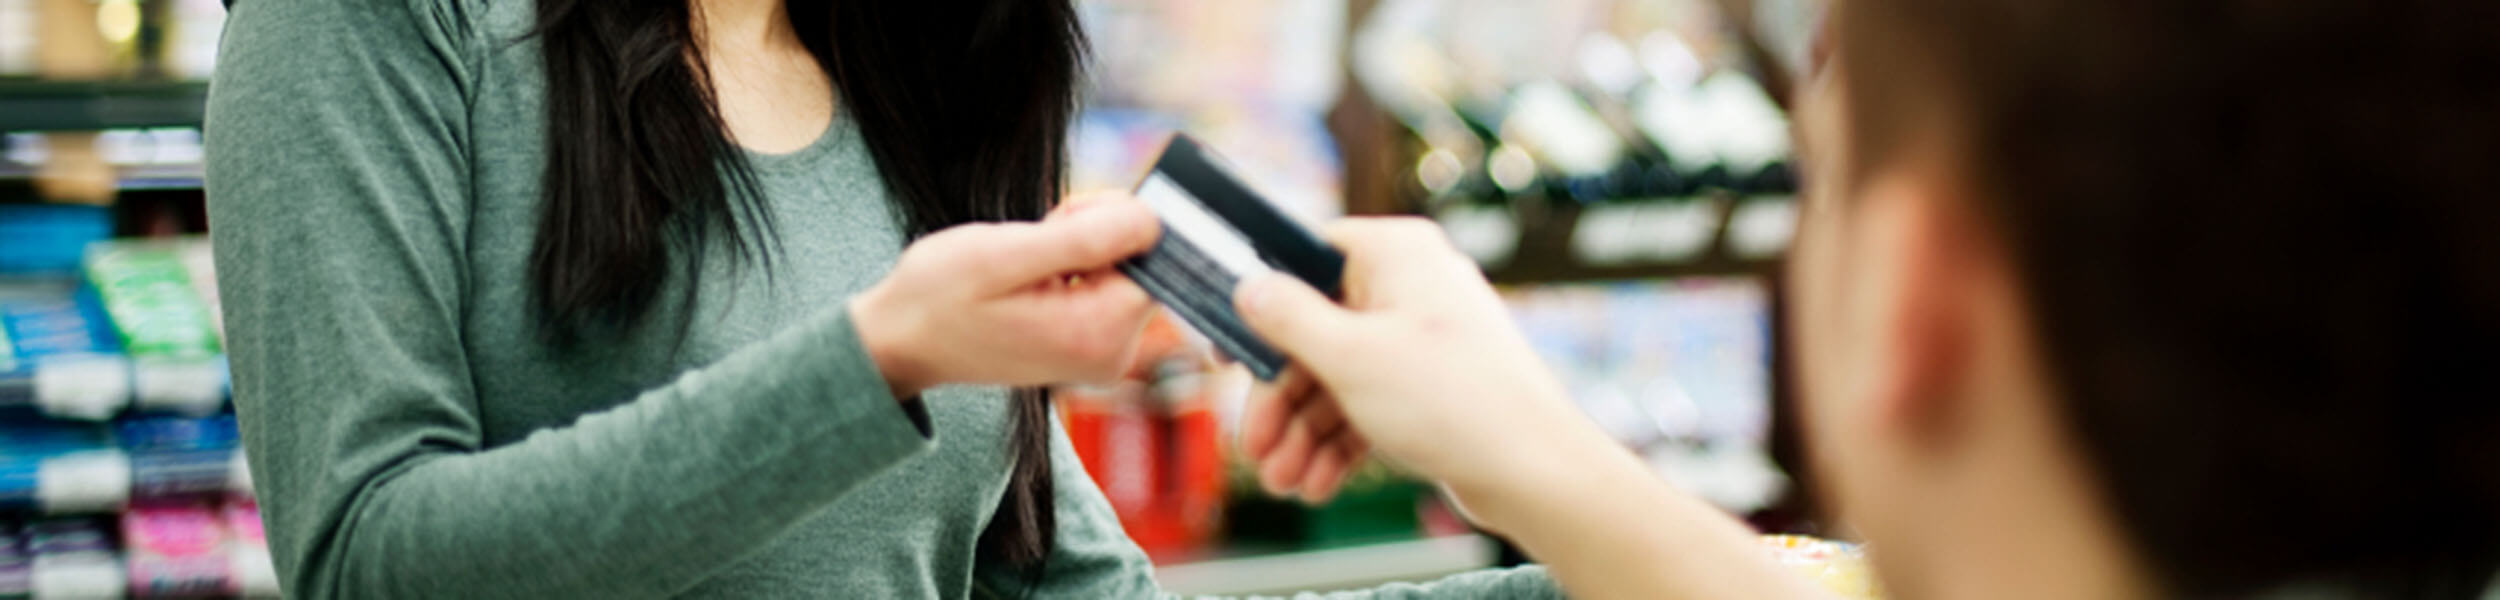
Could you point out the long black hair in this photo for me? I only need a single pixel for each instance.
(964, 104)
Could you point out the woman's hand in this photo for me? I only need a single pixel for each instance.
(1422, 360)
(1012, 303)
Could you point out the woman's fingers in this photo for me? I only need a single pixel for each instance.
(1114, 290)
(1081, 201)
(1012, 256)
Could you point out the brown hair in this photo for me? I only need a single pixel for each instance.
(2261, 241)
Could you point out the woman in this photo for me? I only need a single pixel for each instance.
(2090, 300)
(580, 298)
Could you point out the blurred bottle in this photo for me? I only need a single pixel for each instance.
(1152, 442)
(191, 47)
(17, 37)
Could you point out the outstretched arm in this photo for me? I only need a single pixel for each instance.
(1424, 364)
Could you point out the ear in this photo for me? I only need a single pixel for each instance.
(1924, 251)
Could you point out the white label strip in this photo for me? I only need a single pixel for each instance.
(1203, 229)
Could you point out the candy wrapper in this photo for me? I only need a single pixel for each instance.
(1839, 567)
(58, 352)
(177, 457)
(254, 575)
(169, 330)
(177, 551)
(73, 558)
(59, 468)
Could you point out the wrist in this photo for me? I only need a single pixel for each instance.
(1549, 475)
(888, 341)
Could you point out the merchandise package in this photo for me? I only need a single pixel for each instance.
(168, 329)
(254, 575)
(58, 353)
(46, 240)
(73, 558)
(200, 266)
(177, 550)
(1839, 567)
(17, 577)
(196, 549)
(61, 468)
(182, 457)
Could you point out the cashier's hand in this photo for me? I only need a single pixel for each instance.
(1422, 361)
(1012, 303)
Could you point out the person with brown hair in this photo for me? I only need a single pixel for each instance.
(2092, 299)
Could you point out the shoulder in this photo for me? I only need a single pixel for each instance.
(447, 26)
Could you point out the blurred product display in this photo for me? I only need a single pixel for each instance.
(197, 549)
(1679, 371)
(60, 357)
(121, 469)
(191, 44)
(1567, 144)
(1251, 80)
(157, 294)
(17, 37)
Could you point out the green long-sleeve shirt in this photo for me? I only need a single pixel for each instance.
(374, 189)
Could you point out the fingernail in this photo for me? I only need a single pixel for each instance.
(1278, 490)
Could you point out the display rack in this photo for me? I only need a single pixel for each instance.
(1558, 271)
(1543, 255)
(1330, 569)
(131, 178)
(55, 105)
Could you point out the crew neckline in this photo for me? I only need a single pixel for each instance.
(835, 134)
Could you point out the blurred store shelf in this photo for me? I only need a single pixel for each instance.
(1330, 569)
(52, 105)
(1559, 272)
(132, 177)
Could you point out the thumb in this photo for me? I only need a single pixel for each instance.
(1019, 254)
(1290, 315)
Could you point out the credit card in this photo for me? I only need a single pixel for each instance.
(1217, 232)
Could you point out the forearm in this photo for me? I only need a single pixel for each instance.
(1605, 527)
(640, 500)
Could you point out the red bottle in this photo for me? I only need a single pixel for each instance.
(1152, 442)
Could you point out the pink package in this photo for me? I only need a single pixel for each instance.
(254, 575)
(176, 551)
(243, 520)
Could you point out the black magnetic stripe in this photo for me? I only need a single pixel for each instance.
(1277, 237)
(1180, 276)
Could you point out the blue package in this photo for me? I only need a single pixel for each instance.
(175, 457)
(58, 354)
(61, 468)
(49, 239)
